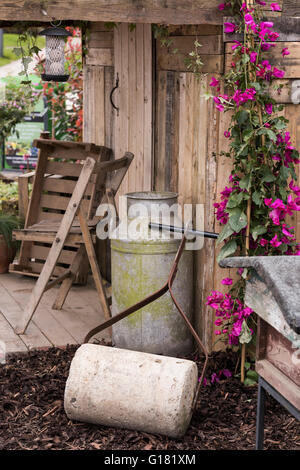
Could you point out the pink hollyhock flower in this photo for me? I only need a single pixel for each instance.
(218, 332)
(220, 107)
(273, 36)
(227, 281)
(233, 340)
(236, 45)
(275, 7)
(229, 28)
(266, 64)
(226, 373)
(263, 242)
(227, 134)
(249, 19)
(275, 242)
(222, 6)
(247, 311)
(268, 201)
(285, 231)
(276, 157)
(21, 167)
(266, 25)
(269, 108)
(253, 56)
(294, 188)
(226, 192)
(214, 377)
(218, 322)
(237, 328)
(240, 271)
(278, 204)
(278, 73)
(285, 51)
(275, 215)
(266, 46)
(214, 82)
(261, 2)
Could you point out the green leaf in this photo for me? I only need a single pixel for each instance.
(284, 173)
(267, 175)
(258, 230)
(251, 374)
(245, 336)
(235, 200)
(256, 198)
(269, 133)
(247, 365)
(17, 51)
(279, 125)
(249, 382)
(227, 250)
(237, 219)
(242, 116)
(245, 182)
(226, 232)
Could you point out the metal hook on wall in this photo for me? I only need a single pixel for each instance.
(111, 95)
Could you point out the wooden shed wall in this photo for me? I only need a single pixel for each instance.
(175, 133)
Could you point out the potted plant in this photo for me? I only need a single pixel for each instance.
(8, 223)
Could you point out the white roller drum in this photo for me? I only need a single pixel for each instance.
(131, 389)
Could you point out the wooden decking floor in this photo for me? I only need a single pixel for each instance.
(81, 313)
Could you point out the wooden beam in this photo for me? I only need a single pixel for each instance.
(127, 11)
(288, 28)
(291, 8)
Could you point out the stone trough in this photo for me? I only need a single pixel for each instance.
(273, 292)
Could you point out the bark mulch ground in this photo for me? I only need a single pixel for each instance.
(32, 414)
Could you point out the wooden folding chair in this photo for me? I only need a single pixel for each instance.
(55, 177)
(108, 177)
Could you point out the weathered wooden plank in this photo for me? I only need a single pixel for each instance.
(167, 125)
(279, 381)
(63, 168)
(49, 201)
(99, 56)
(195, 30)
(291, 8)
(288, 28)
(279, 352)
(64, 186)
(290, 64)
(41, 253)
(186, 44)
(148, 109)
(144, 11)
(133, 129)
(101, 39)
(11, 341)
(12, 312)
(166, 60)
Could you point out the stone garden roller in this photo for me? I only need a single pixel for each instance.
(131, 389)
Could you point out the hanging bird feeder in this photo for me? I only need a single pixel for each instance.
(55, 54)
